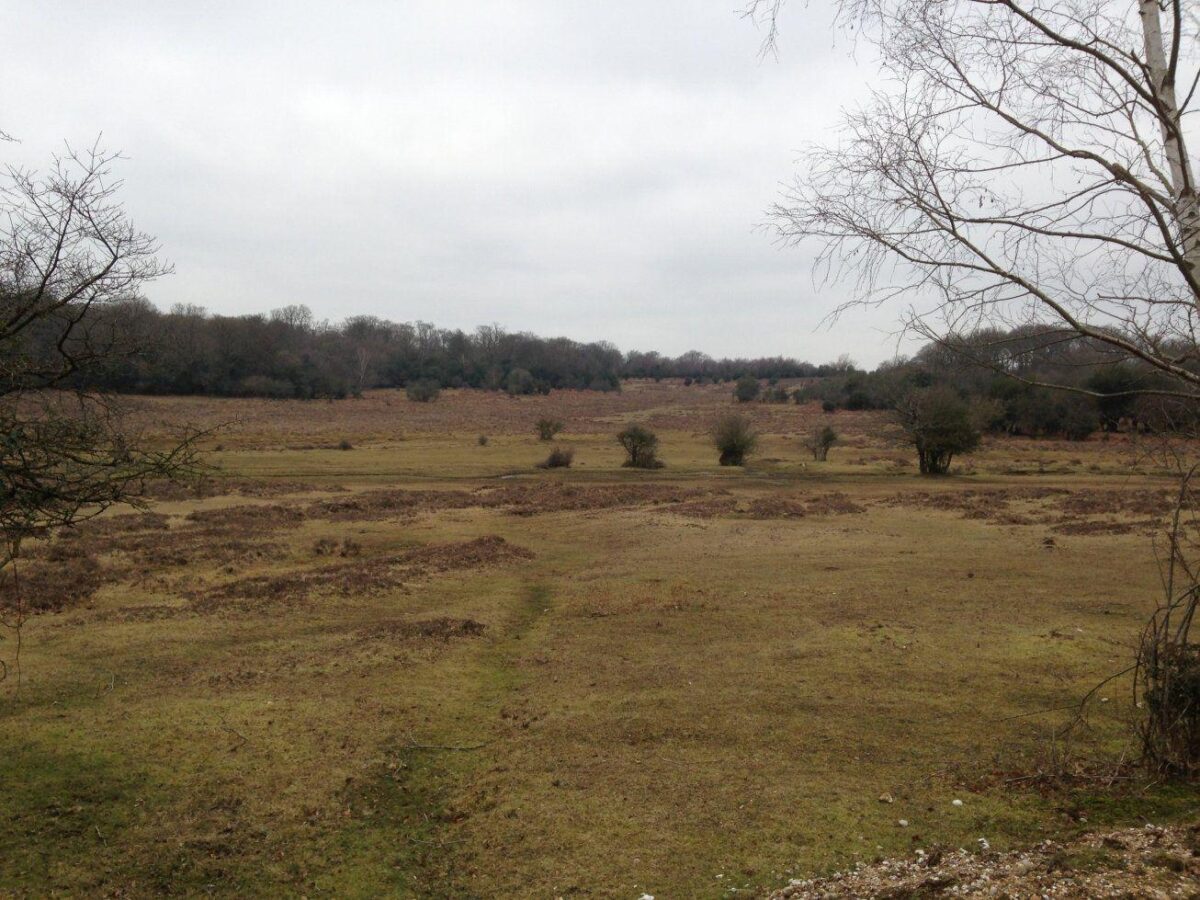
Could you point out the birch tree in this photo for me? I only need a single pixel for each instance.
(1029, 162)
(1024, 163)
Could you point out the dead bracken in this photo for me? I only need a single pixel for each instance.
(360, 576)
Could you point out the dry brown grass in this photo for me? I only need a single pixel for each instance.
(593, 683)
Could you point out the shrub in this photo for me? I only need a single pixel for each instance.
(778, 394)
(735, 438)
(746, 389)
(828, 406)
(559, 458)
(857, 400)
(520, 381)
(1079, 419)
(687, 382)
(820, 443)
(483, 440)
(939, 424)
(345, 445)
(641, 448)
(423, 390)
(548, 428)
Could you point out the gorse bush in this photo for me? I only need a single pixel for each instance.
(641, 448)
(422, 390)
(746, 389)
(735, 439)
(548, 428)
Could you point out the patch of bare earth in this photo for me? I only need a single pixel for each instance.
(1147, 862)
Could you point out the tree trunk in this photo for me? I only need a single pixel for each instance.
(1162, 83)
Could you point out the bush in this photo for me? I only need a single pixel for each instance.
(735, 438)
(939, 424)
(828, 406)
(559, 458)
(520, 381)
(1079, 419)
(422, 391)
(820, 443)
(345, 445)
(746, 389)
(548, 428)
(778, 394)
(858, 400)
(483, 440)
(641, 447)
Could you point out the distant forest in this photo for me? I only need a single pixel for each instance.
(1006, 375)
(289, 354)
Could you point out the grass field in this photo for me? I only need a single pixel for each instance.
(423, 667)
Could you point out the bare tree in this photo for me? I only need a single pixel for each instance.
(1028, 163)
(67, 249)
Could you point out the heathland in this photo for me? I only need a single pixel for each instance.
(372, 653)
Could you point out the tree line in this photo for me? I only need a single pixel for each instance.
(1031, 381)
(288, 353)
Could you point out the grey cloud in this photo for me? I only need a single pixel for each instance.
(588, 169)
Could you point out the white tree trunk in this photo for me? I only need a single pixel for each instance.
(1162, 83)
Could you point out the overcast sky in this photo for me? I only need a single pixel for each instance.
(591, 169)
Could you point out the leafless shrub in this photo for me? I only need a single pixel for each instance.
(641, 448)
(548, 428)
(820, 442)
(1168, 660)
(734, 438)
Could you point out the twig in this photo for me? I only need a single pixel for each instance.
(243, 740)
(1037, 712)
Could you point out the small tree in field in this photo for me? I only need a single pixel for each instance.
(547, 428)
(820, 443)
(641, 448)
(939, 424)
(735, 439)
(746, 389)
